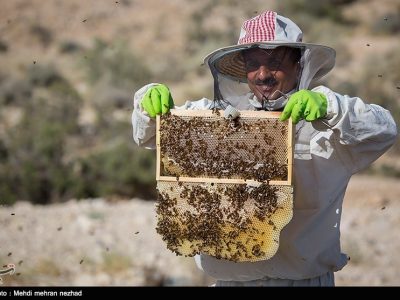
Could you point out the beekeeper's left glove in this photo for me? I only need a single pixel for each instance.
(306, 105)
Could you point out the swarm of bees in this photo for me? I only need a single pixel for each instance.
(225, 219)
(221, 148)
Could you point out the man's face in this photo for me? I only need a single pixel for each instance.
(270, 71)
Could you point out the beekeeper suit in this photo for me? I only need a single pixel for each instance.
(335, 137)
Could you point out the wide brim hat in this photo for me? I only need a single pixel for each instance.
(268, 30)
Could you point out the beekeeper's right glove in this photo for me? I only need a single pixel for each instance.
(307, 105)
(157, 100)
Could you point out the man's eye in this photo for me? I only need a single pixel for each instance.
(251, 65)
(274, 64)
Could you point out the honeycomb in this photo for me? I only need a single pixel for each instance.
(224, 186)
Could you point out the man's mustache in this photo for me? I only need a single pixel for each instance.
(268, 81)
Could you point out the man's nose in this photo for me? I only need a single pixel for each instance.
(263, 72)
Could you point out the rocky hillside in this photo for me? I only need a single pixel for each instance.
(173, 47)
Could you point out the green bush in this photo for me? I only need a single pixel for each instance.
(107, 99)
(43, 34)
(115, 64)
(43, 75)
(3, 46)
(379, 81)
(388, 24)
(14, 92)
(48, 157)
(331, 9)
(33, 150)
(121, 170)
(69, 47)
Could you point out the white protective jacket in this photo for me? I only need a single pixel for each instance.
(327, 153)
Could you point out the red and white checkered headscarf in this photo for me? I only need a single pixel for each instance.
(259, 29)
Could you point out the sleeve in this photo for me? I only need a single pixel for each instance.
(144, 127)
(363, 131)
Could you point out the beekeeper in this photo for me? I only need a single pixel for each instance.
(336, 136)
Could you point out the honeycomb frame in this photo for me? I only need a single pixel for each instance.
(246, 232)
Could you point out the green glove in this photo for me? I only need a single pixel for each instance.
(157, 100)
(306, 105)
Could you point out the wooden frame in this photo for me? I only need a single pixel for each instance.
(210, 113)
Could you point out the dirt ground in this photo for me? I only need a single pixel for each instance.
(98, 242)
(371, 217)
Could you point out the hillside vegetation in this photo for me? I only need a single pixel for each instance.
(69, 70)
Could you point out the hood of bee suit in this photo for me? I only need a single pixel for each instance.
(268, 31)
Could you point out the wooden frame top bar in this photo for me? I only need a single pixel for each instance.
(211, 113)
